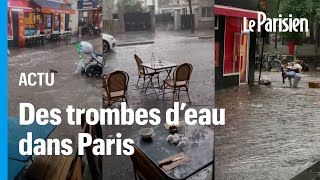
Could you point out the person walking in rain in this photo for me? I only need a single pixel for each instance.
(292, 71)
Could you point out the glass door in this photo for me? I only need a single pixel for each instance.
(244, 57)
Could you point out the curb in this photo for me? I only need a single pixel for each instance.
(206, 37)
(134, 43)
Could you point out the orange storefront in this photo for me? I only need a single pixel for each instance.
(16, 10)
(25, 16)
(54, 14)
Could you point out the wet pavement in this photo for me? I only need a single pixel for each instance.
(271, 132)
(83, 92)
(147, 36)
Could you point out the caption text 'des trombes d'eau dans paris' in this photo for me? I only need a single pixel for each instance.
(105, 116)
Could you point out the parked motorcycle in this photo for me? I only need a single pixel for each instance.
(90, 29)
(95, 29)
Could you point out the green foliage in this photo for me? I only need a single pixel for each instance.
(299, 9)
(292, 36)
(131, 5)
(272, 8)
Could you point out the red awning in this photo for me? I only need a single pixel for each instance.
(18, 5)
(235, 12)
(54, 6)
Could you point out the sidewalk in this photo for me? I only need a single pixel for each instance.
(146, 36)
(50, 45)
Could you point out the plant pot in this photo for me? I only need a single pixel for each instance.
(291, 46)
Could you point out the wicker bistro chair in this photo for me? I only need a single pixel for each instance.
(144, 169)
(143, 73)
(180, 81)
(115, 86)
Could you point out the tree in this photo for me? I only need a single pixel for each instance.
(273, 12)
(131, 5)
(300, 9)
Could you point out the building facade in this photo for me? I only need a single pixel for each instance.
(90, 11)
(234, 48)
(202, 10)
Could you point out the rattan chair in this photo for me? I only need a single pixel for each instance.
(143, 73)
(180, 81)
(144, 169)
(115, 86)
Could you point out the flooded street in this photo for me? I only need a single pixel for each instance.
(83, 92)
(271, 132)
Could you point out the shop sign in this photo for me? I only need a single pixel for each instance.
(87, 4)
(57, 11)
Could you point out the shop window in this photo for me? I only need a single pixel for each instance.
(56, 23)
(30, 22)
(206, 12)
(232, 45)
(184, 11)
(115, 16)
(47, 22)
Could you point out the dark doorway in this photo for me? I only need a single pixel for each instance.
(186, 22)
(67, 22)
(137, 21)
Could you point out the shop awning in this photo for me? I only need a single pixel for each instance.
(54, 6)
(18, 5)
(235, 12)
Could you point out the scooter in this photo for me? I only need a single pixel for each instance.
(95, 30)
(94, 66)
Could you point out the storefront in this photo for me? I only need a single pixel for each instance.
(90, 11)
(53, 14)
(16, 10)
(234, 49)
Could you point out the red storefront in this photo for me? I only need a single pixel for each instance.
(25, 16)
(53, 14)
(16, 10)
(235, 49)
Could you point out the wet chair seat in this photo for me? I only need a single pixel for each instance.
(178, 83)
(115, 94)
